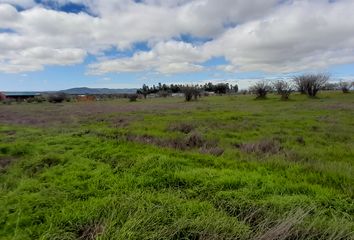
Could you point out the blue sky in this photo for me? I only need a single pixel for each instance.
(60, 44)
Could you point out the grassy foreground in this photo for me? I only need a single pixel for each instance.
(227, 167)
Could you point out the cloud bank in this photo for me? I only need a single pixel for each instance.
(259, 35)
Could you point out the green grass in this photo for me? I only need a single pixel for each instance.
(130, 175)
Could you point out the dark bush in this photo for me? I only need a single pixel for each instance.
(261, 89)
(57, 97)
(345, 86)
(221, 88)
(311, 83)
(133, 97)
(190, 92)
(283, 88)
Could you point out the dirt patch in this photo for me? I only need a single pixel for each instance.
(74, 113)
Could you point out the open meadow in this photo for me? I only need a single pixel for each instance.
(222, 167)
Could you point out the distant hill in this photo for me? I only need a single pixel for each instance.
(85, 90)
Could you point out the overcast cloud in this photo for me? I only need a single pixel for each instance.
(259, 35)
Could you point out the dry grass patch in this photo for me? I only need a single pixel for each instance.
(181, 127)
(5, 162)
(91, 231)
(262, 147)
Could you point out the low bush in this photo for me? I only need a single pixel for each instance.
(57, 97)
(133, 97)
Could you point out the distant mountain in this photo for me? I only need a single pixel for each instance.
(85, 90)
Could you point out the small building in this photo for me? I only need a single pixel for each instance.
(20, 96)
(152, 95)
(177, 94)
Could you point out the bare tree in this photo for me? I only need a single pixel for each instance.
(346, 86)
(283, 88)
(311, 83)
(260, 89)
(299, 82)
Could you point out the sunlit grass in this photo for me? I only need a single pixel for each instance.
(130, 174)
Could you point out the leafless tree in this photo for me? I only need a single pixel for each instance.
(283, 88)
(311, 83)
(260, 89)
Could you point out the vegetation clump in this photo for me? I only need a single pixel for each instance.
(133, 97)
(260, 89)
(283, 88)
(346, 86)
(190, 93)
(310, 84)
(264, 146)
(57, 97)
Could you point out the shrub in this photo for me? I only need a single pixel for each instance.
(345, 86)
(283, 88)
(311, 83)
(133, 97)
(57, 98)
(260, 89)
(190, 92)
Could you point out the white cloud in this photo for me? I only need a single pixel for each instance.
(20, 3)
(166, 57)
(252, 35)
(304, 35)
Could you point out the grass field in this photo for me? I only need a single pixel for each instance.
(224, 167)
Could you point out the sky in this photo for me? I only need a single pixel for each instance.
(60, 44)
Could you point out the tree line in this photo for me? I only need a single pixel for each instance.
(309, 84)
(164, 89)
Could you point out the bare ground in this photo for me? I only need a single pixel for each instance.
(71, 113)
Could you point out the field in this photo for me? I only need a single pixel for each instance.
(223, 167)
